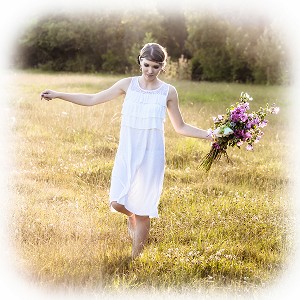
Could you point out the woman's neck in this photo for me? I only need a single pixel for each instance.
(149, 84)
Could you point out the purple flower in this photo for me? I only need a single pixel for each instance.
(238, 133)
(256, 121)
(218, 118)
(263, 123)
(242, 134)
(246, 106)
(244, 117)
(249, 147)
(247, 135)
(239, 113)
(251, 123)
(216, 146)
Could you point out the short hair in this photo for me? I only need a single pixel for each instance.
(155, 53)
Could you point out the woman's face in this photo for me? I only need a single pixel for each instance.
(150, 69)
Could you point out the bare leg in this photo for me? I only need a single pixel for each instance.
(139, 225)
(141, 234)
(121, 208)
(131, 217)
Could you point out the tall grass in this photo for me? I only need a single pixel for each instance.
(228, 228)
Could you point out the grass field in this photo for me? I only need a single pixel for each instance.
(227, 229)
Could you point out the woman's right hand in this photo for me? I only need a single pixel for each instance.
(48, 95)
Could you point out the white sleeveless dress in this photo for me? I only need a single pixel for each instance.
(138, 172)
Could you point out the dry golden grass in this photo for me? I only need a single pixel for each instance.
(228, 228)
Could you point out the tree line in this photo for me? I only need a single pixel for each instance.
(201, 46)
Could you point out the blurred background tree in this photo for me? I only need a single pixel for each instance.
(201, 46)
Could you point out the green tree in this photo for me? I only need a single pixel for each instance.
(173, 32)
(231, 48)
(207, 43)
(239, 45)
(270, 62)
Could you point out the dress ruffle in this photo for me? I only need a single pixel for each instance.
(141, 109)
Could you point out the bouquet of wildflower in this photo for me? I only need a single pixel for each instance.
(235, 128)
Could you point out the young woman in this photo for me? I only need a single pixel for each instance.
(138, 172)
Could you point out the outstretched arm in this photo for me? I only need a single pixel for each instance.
(177, 121)
(119, 88)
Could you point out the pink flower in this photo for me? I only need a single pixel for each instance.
(249, 147)
(246, 106)
(263, 124)
(257, 140)
(275, 110)
(247, 135)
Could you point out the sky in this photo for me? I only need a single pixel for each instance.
(15, 15)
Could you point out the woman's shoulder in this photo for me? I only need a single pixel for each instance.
(125, 80)
(172, 92)
(124, 83)
(172, 89)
